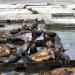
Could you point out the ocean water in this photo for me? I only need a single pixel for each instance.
(68, 41)
(10, 26)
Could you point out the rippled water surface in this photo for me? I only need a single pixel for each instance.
(68, 40)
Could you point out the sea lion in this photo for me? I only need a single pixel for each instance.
(4, 48)
(43, 55)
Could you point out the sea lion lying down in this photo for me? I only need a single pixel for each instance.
(43, 55)
(4, 48)
(5, 51)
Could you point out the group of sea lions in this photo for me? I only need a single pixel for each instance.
(33, 43)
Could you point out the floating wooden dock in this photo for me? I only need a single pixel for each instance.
(63, 63)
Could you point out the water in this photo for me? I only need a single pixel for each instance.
(10, 26)
(68, 40)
